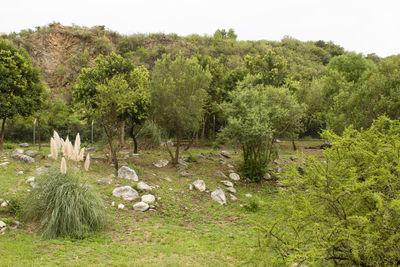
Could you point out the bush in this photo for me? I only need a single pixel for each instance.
(150, 135)
(64, 207)
(344, 210)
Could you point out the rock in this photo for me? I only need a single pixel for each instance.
(161, 163)
(168, 179)
(152, 207)
(4, 204)
(293, 157)
(23, 158)
(221, 162)
(2, 227)
(40, 170)
(220, 174)
(113, 203)
(183, 165)
(201, 156)
(226, 154)
(19, 151)
(227, 183)
(231, 189)
(24, 145)
(121, 206)
(4, 163)
(32, 153)
(90, 149)
(233, 197)
(148, 198)
(104, 181)
(124, 152)
(277, 141)
(141, 206)
(20, 172)
(127, 173)
(123, 163)
(200, 185)
(230, 166)
(267, 176)
(144, 186)
(234, 176)
(231, 171)
(30, 179)
(170, 144)
(219, 196)
(278, 169)
(187, 175)
(191, 187)
(248, 195)
(47, 165)
(126, 193)
(282, 185)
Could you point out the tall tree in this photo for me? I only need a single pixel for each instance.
(20, 87)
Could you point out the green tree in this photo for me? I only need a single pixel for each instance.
(20, 87)
(178, 95)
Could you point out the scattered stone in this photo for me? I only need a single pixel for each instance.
(281, 185)
(123, 163)
(248, 195)
(19, 151)
(191, 187)
(127, 173)
(33, 184)
(170, 144)
(168, 179)
(230, 166)
(104, 181)
(267, 176)
(275, 162)
(23, 158)
(183, 165)
(231, 189)
(20, 172)
(200, 185)
(220, 174)
(4, 204)
(161, 163)
(187, 175)
(143, 186)
(201, 156)
(113, 203)
(126, 193)
(221, 162)
(124, 151)
(170, 189)
(47, 165)
(141, 206)
(90, 149)
(152, 207)
(325, 144)
(233, 197)
(32, 153)
(277, 141)
(40, 170)
(234, 176)
(227, 183)
(24, 145)
(231, 171)
(278, 169)
(2, 227)
(30, 179)
(4, 163)
(148, 198)
(121, 206)
(226, 154)
(219, 196)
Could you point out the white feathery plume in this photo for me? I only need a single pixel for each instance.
(81, 153)
(53, 148)
(87, 162)
(57, 140)
(77, 147)
(63, 167)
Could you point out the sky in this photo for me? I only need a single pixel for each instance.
(363, 26)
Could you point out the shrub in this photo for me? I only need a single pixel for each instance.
(344, 210)
(64, 207)
(150, 135)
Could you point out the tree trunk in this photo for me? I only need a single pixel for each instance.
(135, 145)
(122, 136)
(2, 134)
(38, 135)
(178, 144)
(203, 130)
(294, 145)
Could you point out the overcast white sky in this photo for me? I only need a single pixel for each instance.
(362, 26)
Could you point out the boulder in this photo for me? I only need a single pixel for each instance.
(121, 206)
(127, 173)
(267, 176)
(183, 165)
(20, 172)
(161, 163)
(104, 181)
(144, 186)
(32, 153)
(230, 166)
(226, 154)
(19, 151)
(234, 176)
(23, 158)
(4, 163)
(30, 179)
(231, 189)
(47, 165)
(126, 193)
(2, 227)
(227, 183)
(168, 179)
(219, 196)
(201, 156)
(200, 185)
(220, 174)
(148, 198)
(24, 145)
(233, 197)
(141, 206)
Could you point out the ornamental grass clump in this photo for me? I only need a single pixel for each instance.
(64, 206)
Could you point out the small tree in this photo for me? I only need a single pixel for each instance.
(178, 94)
(20, 87)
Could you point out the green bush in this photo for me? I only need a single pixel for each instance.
(64, 207)
(150, 135)
(345, 209)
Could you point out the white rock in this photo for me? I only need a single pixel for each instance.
(233, 197)
(168, 179)
(267, 176)
(2, 227)
(127, 173)
(4, 204)
(248, 195)
(20, 172)
(32, 153)
(104, 181)
(141, 206)
(221, 174)
(4, 163)
(19, 151)
(234, 176)
(126, 193)
(121, 206)
(230, 166)
(23, 158)
(200, 185)
(24, 145)
(219, 196)
(231, 189)
(187, 175)
(113, 203)
(40, 170)
(148, 198)
(161, 163)
(30, 179)
(143, 186)
(226, 154)
(191, 187)
(227, 183)
(33, 184)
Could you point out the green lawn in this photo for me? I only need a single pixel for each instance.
(188, 228)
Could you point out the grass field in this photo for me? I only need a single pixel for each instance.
(187, 228)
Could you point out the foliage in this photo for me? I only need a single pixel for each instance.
(351, 65)
(150, 135)
(64, 207)
(344, 209)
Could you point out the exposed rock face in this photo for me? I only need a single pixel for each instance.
(200, 185)
(127, 173)
(23, 158)
(126, 193)
(219, 196)
(141, 206)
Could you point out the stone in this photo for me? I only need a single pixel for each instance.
(104, 181)
(152, 207)
(23, 158)
(161, 163)
(30, 179)
(277, 141)
(40, 170)
(200, 185)
(191, 187)
(231, 189)
(141, 206)
(233, 197)
(226, 154)
(148, 198)
(227, 183)
(4, 163)
(19, 151)
(32, 153)
(326, 144)
(144, 186)
(220, 174)
(127, 173)
(230, 166)
(170, 144)
(168, 179)
(183, 165)
(187, 175)
(24, 145)
(267, 176)
(221, 162)
(282, 185)
(248, 195)
(113, 203)
(121, 206)
(47, 165)
(219, 196)
(90, 149)
(123, 163)
(234, 176)
(126, 193)
(201, 156)
(4, 204)
(20, 172)
(2, 227)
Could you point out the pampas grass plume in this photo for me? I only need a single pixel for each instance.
(87, 162)
(63, 167)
